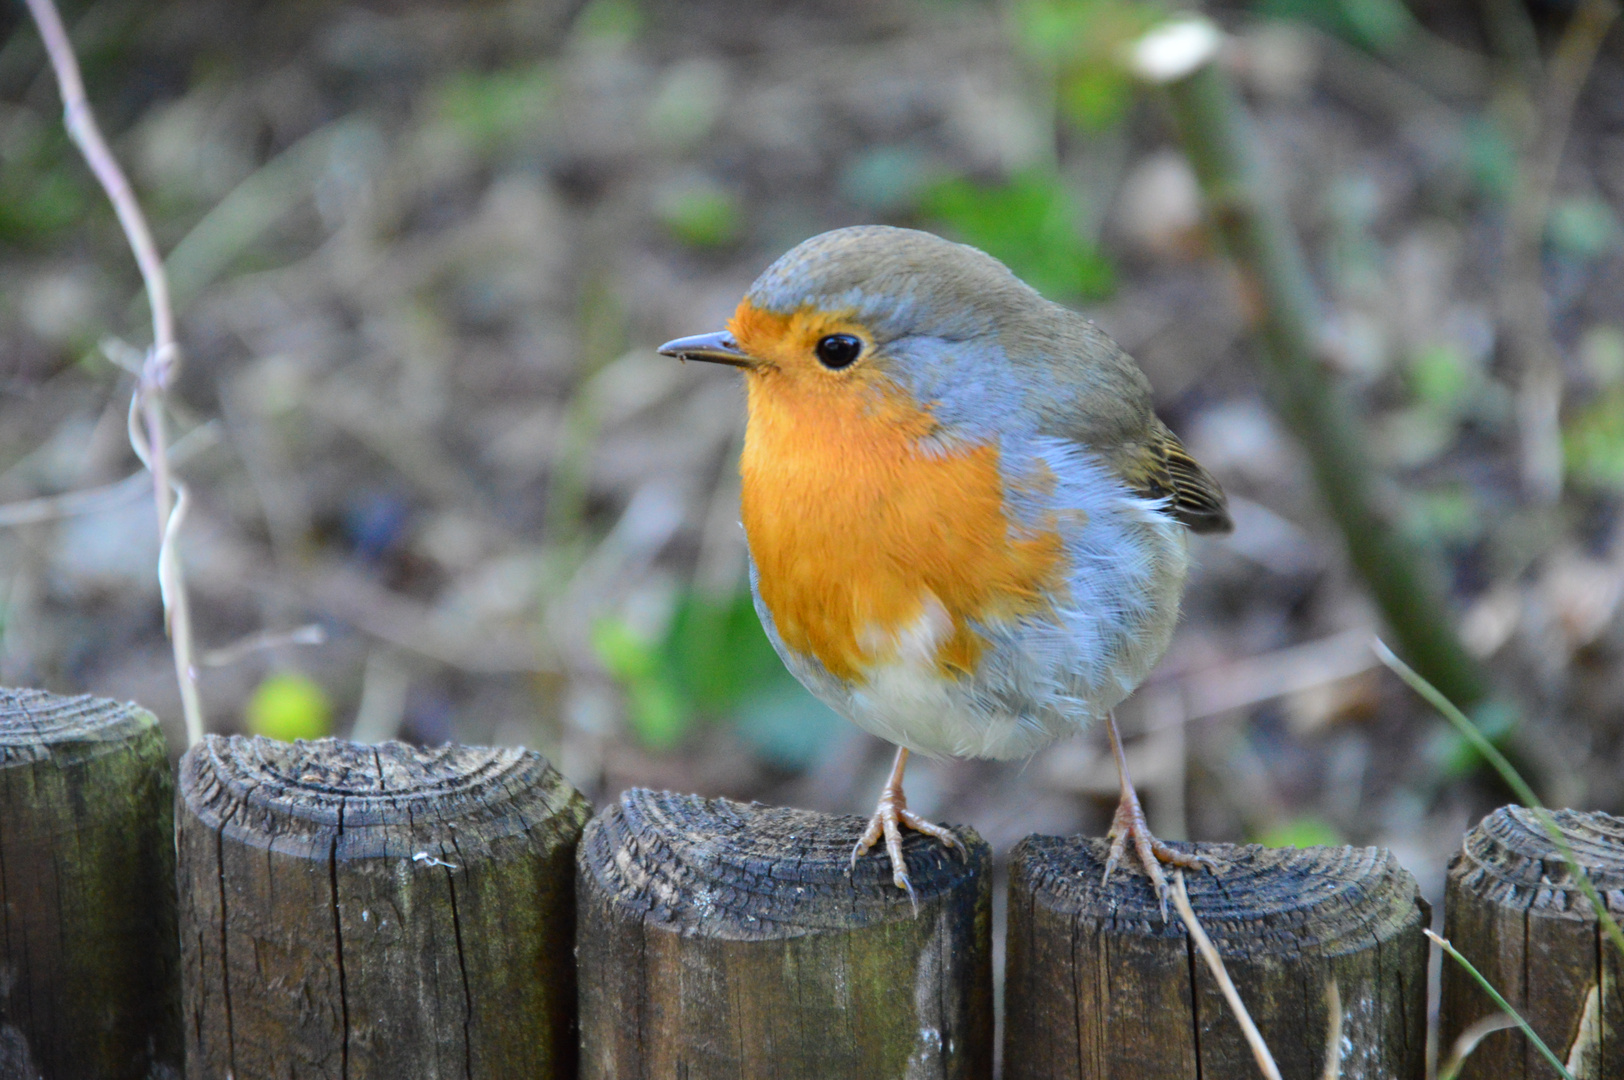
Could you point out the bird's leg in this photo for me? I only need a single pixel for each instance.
(889, 816)
(1129, 824)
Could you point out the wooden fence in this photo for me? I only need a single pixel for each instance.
(348, 911)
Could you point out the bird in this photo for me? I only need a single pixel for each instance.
(967, 527)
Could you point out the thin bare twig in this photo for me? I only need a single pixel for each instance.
(1219, 137)
(1522, 295)
(97, 499)
(158, 367)
(1215, 964)
(74, 503)
(309, 634)
(1467, 1041)
(1333, 1032)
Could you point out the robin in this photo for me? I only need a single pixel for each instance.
(967, 527)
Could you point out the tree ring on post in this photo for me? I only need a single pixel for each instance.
(728, 939)
(1514, 908)
(36, 725)
(1510, 859)
(1099, 985)
(89, 965)
(390, 909)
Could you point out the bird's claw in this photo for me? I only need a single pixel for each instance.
(889, 816)
(1129, 824)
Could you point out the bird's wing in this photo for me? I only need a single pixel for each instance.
(1109, 410)
(1160, 468)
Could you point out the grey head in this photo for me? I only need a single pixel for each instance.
(971, 341)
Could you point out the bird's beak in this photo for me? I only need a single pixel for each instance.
(717, 348)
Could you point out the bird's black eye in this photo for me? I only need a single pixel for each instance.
(838, 350)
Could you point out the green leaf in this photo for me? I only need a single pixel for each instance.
(1049, 31)
(614, 21)
(1081, 43)
(1490, 157)
(656, 708)
(713, 660)
(1380, 24)
(1029, 223)
(659, 716)
(1374, 24)
(1593, 441)
(1442, 377)
(42, 188)
(621, 651)
(702, 215)
(1446, 515)
(497, 108)
(1096, 98)
(1584, 227)
(289, 705)
(719, 648)
(1305, 831)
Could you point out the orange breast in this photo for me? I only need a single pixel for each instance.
(855, 529)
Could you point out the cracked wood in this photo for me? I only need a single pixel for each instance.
(1098, 987)
(725, 941)
(352, 911)
(1514, 910)
(89, 985)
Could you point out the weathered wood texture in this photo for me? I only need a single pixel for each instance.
(723, 941)
(1512, 908)
(355, 911)
(1099, 987)
(89, 983)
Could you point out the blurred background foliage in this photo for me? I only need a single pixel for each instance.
(423, 251)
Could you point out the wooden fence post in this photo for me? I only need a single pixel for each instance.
(1511, 907)
(723, 941)
(356, 911)
(1098, 986)
(89, 983)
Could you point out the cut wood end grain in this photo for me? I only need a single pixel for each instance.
(1509, 859)
(1515, 910)
(88, 951)
(726, 868)
(1255, 900)
(35, 725)
(1099, 986)
(382, 910)
(725, 939)
(379, 800)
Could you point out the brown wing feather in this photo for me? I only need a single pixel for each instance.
(1163, 468)
(1198, 501)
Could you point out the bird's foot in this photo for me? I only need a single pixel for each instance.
(889, 816)
(1129, 825)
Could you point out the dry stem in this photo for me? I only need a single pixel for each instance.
(1215, 964)
(158, 367)
(1218, 136)
(1522, 294)
(1333, 1032)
